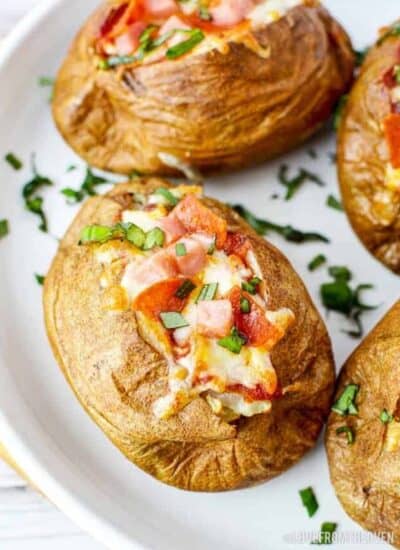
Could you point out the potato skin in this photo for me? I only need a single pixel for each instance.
(117, 376)
(365, 475)
(363, 156)
(214, 111)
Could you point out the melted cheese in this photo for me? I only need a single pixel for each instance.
(270, 11)
(225, 271)
(146, 220)
(392, 178)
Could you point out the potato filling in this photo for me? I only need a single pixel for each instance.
(150, 30)
(199, 298)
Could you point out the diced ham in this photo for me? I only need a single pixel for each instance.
(160, 297)
(159, 266)
(128, 42)
(392, 134)
(172, 227)
(230, 12)
(172, 24)
(214, 318)
(254, 325)
(193, 261)
(206, 241)
(196, 217)
(160, 8)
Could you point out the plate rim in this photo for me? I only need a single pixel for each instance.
(104, 532)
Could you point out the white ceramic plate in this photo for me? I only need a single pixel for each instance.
(42, 424)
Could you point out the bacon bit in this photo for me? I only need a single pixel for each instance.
(238, 244)
(389, 78)
(254, 325)
(259, 392)
(112, 19)
(392, 134)
(196, 217)
(160, 297)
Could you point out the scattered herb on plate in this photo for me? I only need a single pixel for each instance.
(34, 202)
(317, 262)
(326, 534)
(13, 161)
(40, 279)
(88, 187)
(4, 228)
(337, 116)
(334, 203)
(360, 56)
(309, 501)
(289, 233)
(340, 297)
(293, 184)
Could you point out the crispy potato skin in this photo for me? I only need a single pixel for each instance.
(363, 156)
(365, 475)
(117, 376)
(215, 111)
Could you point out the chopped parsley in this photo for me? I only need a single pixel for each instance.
(316, 262)
(346, 402)
(293, 184)
(309, 501)
(334, 203)
(13, 161)
(339, 296)
(4, 228)
(289, 233)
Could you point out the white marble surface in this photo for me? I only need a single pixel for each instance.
(27, 520)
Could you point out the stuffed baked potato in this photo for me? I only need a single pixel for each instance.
(151, 85)
(188, 338)
(363, 433)
(369, 151)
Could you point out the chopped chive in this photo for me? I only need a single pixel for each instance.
(71, 167)
(385, 417)
(346, 403)
(337, 116)
(96, 234)
(349, 433)
(293, 184)
(155, 237)
(207, 292)
(45, 81)
(185, 289)
(135, 235)
(35, 206)
(4, 228)
(180, 249)
(40, 279)
(316, 262)
(195, 37)
(173, 319)
(234, 342)
(334, 203)
(166, 193)
(252, 285)
(309, 501)
(72, 194)
(13, 161)
(326, 533)
(245, 306)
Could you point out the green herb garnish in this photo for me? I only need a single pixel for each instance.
(326, 534)
(45, 81)
(333, 202)
(71, 168)
(337, 116)
(173, 319)
(180, 249)
(185, 289)
(360, 56)
(340, 297)
(245, 306)
(316, 262)
(252, 285)
(88, 187)
(33, 202)
(309, 501)
(73, 195)
(349, 434)
(40, 279)
(4, 228)
(195, 37)
(234, 342)
(293, 184)
(207, 292)
(96, 234)
(134, 234)
(168, 196)
(155, 237)
(346, 403)
(312, 153)
(385, 417)
(13, 161)
(288, 232)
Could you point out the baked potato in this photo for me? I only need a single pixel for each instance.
(369, 151)
(363, 432)
(188, 338)
(152, 86)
